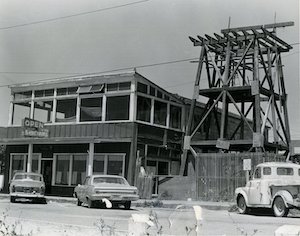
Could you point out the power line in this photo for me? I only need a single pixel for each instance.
(107, 71)
(73, 15)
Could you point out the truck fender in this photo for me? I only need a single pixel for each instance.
(239, 192)
(285, 195)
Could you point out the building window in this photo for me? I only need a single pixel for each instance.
(117, 108)
(142, 88)
(44, 93)
(22, 95)
(21, 110)
(118, 86)
(152, 91)
(35, 166)
(66, 91)
(175, 117)
(111, 164)
(156, 167)
(98, 165)
(79, 168)
(66, 110)
(160, 113)
(115, 165)
(18, 163)
(143, 109)
(43, 111)
(91, 109)
(62, 169)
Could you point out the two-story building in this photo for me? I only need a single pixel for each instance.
(69, 128)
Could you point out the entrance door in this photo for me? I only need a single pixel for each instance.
(46, 171)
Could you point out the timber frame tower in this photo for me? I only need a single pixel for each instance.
(243, 74)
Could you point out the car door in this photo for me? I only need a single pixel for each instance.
(255, 188)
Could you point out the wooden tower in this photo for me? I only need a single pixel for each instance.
(240, 74)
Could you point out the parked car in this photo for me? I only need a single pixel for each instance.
(274, 185)
(114, 188)
(27, 185)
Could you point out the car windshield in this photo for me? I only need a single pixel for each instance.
(28, 177)
(109, 180)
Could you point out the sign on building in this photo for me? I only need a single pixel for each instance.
(34, 128)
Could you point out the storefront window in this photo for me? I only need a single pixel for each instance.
(160, 113)
(175, 117)
(62, 169)
(115, 165)
(143, 108)
(117, 108)
(98, 165)
(18, 163)
(43, 111)
(79, 169)
(21, 110)
(66, 110)
(35, 163)
(157, 167)
(91, 109)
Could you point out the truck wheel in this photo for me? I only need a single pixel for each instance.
(127, 205)
(279, 208)
(241, 204)
(90, 203)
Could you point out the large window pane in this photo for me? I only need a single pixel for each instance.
(117, 108)
(115, 165)
(160, 113)
(66, 110)
(91, 109)
(62, 169)
(18, 163)
(98, 164)
(143, 108)
(79, 169)
(43, 111)
(175, 117)
(35, 163)
(163, 168)
(21, 110)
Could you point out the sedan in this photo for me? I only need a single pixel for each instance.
(27, 185)
(105, 188)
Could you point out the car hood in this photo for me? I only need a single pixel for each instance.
(27, 183)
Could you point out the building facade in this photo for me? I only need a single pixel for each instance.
(70, 128)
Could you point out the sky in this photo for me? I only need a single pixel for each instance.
(48, 39)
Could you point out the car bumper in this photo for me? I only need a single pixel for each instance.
(27, 195)
(120, 198)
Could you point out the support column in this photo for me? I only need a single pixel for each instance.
(29, 159)
(91, 159)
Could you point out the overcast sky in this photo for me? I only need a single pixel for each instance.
(112, 36)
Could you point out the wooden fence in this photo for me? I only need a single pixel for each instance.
(219, 174)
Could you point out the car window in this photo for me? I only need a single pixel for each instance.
(109, 180)
(28, 177)
(299, 172)
(267, 171)
(285, 171)
(257, 173)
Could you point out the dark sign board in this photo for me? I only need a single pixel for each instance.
(34, 128)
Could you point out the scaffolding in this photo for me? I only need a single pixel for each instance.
(243, 75)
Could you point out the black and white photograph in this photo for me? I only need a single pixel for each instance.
(149, 117)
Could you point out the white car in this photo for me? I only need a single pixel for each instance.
(274, 185)
(113, 188)
(27, 185)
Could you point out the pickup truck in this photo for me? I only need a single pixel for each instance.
(274, 185)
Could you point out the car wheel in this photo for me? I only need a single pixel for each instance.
(279, 208)
(127, 205)
(241, 204)
(78, 202)
(90, 203)
(12, 199)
